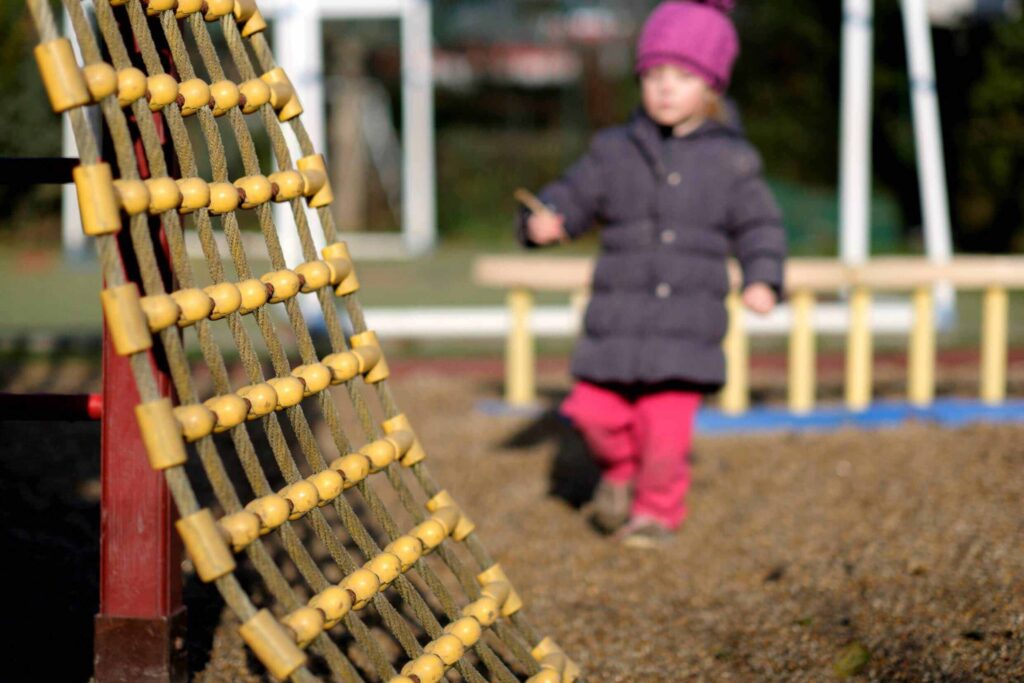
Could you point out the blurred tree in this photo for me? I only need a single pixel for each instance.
(29, 126)
(990, 187)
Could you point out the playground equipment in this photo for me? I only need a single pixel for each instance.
(298, 36)
(806, 281)
(157, 309)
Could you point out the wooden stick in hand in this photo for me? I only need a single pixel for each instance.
(531, 202)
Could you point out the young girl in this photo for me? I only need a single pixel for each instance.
(677, 190)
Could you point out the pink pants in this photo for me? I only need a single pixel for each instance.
(643, 440)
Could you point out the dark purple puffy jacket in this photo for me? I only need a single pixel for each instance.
(671, 210)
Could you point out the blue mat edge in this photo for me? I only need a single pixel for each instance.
(950, 412)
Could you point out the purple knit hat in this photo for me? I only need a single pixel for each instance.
(698, 36)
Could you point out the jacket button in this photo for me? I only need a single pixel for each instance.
(674, 179)
(663, 290)
(668, 236)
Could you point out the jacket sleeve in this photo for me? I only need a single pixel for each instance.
(577, 195)
(755, 225)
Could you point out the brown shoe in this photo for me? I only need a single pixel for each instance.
(644, 533)
(609, 509)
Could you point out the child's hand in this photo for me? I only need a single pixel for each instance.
(546, 228)
(759, 298)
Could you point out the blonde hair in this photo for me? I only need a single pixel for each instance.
(715, 107)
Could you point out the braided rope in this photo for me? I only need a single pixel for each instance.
(149, 37)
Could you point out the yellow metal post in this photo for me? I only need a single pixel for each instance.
(802, 353)
(921, 350)
(995, 308)
(520, 383)
(859, 350)
(735, 396)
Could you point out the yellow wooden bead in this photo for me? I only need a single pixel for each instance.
(339, 252)
(131, 85)
(101, 79)
(290, 391)
(448, 517)
(315, 275)
(401, 679)
(408, 549)
(194, 95)
(164, 195)
(195, 194)
(206, 545)
(344, 366)
(386, 567)
(254, 94)
(244, 10)
(161, 90)
(187, 8)
(355, 467)
(381, 454)
(363, 584)
(273, 645)
(273, 511)
(261, 397)
(403, 441)
(285, 284)
(546, 676)
(224, 197)
(62, 77)
(154, 7)
(449, 648)
(231, 410)
(218, 8)
(466, 629)
(161, 311)
(369, 357)
(133, 196)
(335, 602)
(317, 377)
(303, 497)
(288, 185)
(254, 294)
(329, 485)
(282, 94)
(226, 299)
(241, 528)
(196, 421)
(431, 533)
(224, 95)
(340, 269)
(306, 623)
(484, 610)
(195, 305)
(425, 668)
(254, 190)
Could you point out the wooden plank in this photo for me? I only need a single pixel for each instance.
(568, 273)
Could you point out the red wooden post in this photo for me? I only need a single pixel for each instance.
(140, 629)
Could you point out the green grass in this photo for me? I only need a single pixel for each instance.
(39, 293)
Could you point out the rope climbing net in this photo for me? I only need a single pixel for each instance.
(163, 92)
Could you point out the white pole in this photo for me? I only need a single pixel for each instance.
(931, 165)
(76, 247)
(419, 212)
(855, 132)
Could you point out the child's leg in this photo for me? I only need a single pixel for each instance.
(665, 427)
(605, 419)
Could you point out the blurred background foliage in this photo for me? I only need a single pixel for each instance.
(523, 85)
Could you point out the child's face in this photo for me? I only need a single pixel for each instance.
(672, 94)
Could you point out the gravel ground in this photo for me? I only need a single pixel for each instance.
(898, 555)
(893, 555)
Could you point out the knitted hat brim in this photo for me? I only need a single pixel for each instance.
(653, 59)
